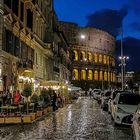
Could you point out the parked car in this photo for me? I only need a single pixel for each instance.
(96, 94)
(104, 100)
(124, 106)
(111, 99)
(136, 124)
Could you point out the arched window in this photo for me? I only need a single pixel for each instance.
(75, 74)
(113, 62)
(95, 57)
(114, 77)
(75, 55)
(108, 76)
(90, 75)
(83, 55)
(95, 75)
(105, 76)
(100, 58)
(105, 59)
(83, 74)
(89, 57)
(101, 75)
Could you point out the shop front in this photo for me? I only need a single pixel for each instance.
(25, 76)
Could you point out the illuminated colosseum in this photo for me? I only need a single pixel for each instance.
(92, 54)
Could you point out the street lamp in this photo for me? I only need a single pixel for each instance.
(123, 65)
(82, 36)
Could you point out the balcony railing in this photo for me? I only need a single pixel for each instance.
(25, 64)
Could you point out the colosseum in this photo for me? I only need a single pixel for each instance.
(93, 56)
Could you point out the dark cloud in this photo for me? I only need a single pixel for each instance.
(133, 5)
(135, 26)
(131, 47)
(108, 20)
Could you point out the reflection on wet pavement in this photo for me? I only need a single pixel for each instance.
(83, 120)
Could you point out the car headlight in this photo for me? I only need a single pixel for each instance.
(119, 110)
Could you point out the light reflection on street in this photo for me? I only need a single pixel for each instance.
(79, 121)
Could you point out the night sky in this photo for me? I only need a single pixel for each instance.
(107, 15)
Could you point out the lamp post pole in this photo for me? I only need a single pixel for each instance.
(122, 60)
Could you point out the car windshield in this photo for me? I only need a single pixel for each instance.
(108, 93)
(115, 93)
(130, 99)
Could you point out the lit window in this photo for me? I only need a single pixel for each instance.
(101, 75)
(105, 76)
(75, 55)
(105, 59)
(89, 56)
(95, 75)
(114, 77)
(95, 57)
(90, 75)
(100, 58)
(75, 74)
(83, 74)
(83, 55)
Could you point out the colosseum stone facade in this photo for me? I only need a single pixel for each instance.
(92, 54)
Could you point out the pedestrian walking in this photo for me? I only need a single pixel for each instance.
(54, 101)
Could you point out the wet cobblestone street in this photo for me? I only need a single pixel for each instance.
(82, 120)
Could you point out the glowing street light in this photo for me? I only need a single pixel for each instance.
(123, 64)
(82, 36)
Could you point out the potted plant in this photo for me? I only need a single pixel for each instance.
(27, 91)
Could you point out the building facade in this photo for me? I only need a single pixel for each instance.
(92, 54)
(27, 42)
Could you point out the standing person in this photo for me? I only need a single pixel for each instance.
(4, 97)
(9, 97)
(16, 97)
(54, 101)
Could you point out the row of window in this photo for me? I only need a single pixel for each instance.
(88, 56)
(18, 48)
(93, 75)
(29, 17)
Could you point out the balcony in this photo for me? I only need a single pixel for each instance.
(26, 64)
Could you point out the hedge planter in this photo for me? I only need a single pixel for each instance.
(39, 113)
(12, 120)
(27, 119)
(2, 120)
(34, 116)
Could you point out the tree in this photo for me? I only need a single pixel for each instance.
(27, 91)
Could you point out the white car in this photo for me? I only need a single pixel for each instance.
(124, 106)
(111, 99)
(136, 124)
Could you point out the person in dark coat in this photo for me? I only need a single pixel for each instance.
(54, 101)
